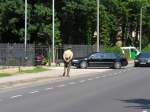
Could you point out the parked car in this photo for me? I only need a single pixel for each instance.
(143, 59)
(100, 59)
(39, 59)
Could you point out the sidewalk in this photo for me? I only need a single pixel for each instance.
(54, 73)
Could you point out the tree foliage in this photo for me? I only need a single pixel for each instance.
(75, 21)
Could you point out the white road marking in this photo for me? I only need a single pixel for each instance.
(124, 70)
(144, 111)
(120, 72)
(82, 81)
(103, 76)
(34, 92)
(62, 85)
(128, 69)
(90, 79)
(72, 83)
(49, 88)
(115, 73)
(16, 96)
(97, 77)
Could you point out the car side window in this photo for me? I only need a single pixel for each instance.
(114, 56)
(133, 51)
(97, 56)
(109, 56)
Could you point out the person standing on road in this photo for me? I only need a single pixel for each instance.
(67, 56)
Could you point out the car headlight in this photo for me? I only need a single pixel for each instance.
(75, 60)
(136, 60)
(148, 61)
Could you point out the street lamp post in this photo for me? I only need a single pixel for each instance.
(97, 25)
(53, 27)
(25, 38)
(140, 39)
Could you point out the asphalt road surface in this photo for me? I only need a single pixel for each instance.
(124, 90)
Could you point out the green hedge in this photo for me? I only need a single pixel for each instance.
(147, 48)
(112, 49)
(117, 50)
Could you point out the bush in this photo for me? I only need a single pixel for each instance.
(147, 48)
(117, 50)
(114, 49)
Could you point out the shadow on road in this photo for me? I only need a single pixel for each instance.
(138, 103)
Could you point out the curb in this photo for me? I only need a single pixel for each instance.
(48, 76)
(51, 77)
(16, 83)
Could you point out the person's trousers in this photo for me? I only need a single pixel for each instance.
(67, 67)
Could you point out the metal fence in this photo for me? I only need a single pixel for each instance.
(81, 50)
(14, 54)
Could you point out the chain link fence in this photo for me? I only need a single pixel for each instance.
(15, 55)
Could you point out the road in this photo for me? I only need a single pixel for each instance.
(124, 90)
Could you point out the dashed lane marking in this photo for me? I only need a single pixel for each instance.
(82, 81)
(16, 96)
(62, 85)
(120, 72)
(97, 77)
(144, 111)
(90, 79)
(115, 73)
(103, 76)
(124, 70)
(32, 92)
(49, 88)
(72, 83)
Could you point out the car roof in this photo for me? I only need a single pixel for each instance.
(104, 52)
(145, 53)
(128, 47)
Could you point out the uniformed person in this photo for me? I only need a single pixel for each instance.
(67, 56)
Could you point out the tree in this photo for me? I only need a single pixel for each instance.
(40, 24)
(75, 21)
(11, 20)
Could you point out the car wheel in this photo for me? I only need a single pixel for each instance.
(117, 65)
(77, 67)
(136, 65)
(83, 64)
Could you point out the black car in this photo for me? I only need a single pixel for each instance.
(100, 59)
(143, 59)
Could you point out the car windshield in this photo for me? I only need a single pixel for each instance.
(144, 55)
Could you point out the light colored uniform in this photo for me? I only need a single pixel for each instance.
(67, 56)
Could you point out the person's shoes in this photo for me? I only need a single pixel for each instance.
(63, 75)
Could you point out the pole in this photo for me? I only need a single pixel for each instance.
(25, 38)
(97, 25)
(53, 42)
(141, 13)
(140, 29)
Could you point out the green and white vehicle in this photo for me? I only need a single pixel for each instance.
(133, 52)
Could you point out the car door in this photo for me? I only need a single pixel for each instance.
(95, 60)
(109, 59)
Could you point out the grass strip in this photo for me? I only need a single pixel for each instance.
(6, 74)
(35, 70)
